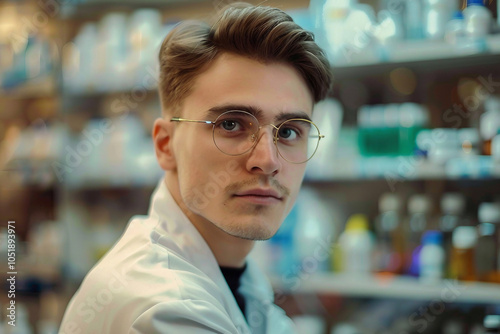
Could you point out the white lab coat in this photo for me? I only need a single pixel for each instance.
(161, 277)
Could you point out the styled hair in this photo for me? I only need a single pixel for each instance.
(262, 33)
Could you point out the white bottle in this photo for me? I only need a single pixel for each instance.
(357, 244)
(478, 19)
(314, 233)
(432, 257)
(455, 29)
(328, 113)
(413, 19)
(489, 122)
(437, 13)
(335, 13)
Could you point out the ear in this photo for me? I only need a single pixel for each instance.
(162, 139)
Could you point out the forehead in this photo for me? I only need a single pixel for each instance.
(232, 80)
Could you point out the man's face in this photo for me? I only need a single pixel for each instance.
(249, 195)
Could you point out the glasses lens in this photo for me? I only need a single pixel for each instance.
(233, 132)
(297, 140)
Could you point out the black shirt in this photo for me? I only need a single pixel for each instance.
(232, 276)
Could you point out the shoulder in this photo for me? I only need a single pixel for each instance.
(139, 279)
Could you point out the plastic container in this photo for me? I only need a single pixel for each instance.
(314, 233)
(392, 23)
(390, 239)
(488, 248)
(335, 13)
(390, 130)
(452, 210)
(419, 209)
(436, 15)
(413, 119)
(469, 141)
(489, 123)
(478, 19)
(492, 323)
(329, 114)
(414, 25)
(356, 244)
(462, 260)
(455, 29)
(432, 257)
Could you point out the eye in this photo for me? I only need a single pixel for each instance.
(288, 133)
(229, 125)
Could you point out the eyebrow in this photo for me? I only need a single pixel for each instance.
(217, 110)
(255, 111)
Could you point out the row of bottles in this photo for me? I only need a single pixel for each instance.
(116, 53)
(25, 56)
(352, 29)
(390, 129)
(399, 129)
(418, 243)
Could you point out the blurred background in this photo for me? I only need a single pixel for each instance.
(397, 228)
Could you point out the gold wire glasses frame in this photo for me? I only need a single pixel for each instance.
(236, 132)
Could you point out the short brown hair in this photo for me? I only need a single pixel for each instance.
(262, 33)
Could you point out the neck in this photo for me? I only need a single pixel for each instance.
(229, 251)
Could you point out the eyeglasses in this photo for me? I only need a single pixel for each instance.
(236, 132)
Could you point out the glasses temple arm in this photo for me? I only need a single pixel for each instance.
(178, 119)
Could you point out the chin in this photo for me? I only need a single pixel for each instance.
(251, 231)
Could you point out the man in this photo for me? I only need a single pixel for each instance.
(237, 99)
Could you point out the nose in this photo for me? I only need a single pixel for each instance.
(263, 158)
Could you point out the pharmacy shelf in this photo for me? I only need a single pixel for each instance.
(399, 287)
(403, 168)
(93, 8)
(36, 88)
(422, 56)
(89, 8)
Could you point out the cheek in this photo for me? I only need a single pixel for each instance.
(293, 176)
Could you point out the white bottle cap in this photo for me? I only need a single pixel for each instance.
(453, 204)
(464, 237)
(389, 202)
(489, 213)
(364, 116)
(419, 204)
(392, 115)
(489, 124)
(424, 140)
(492, 321)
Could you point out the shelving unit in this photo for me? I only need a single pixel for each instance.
(398, 287)
(345, 184)
(424, 55)
(399, 168)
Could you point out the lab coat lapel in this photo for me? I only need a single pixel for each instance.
(180, 235)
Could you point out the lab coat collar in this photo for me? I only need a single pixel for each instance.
(176, 232)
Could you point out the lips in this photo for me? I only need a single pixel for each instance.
(265, 193)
